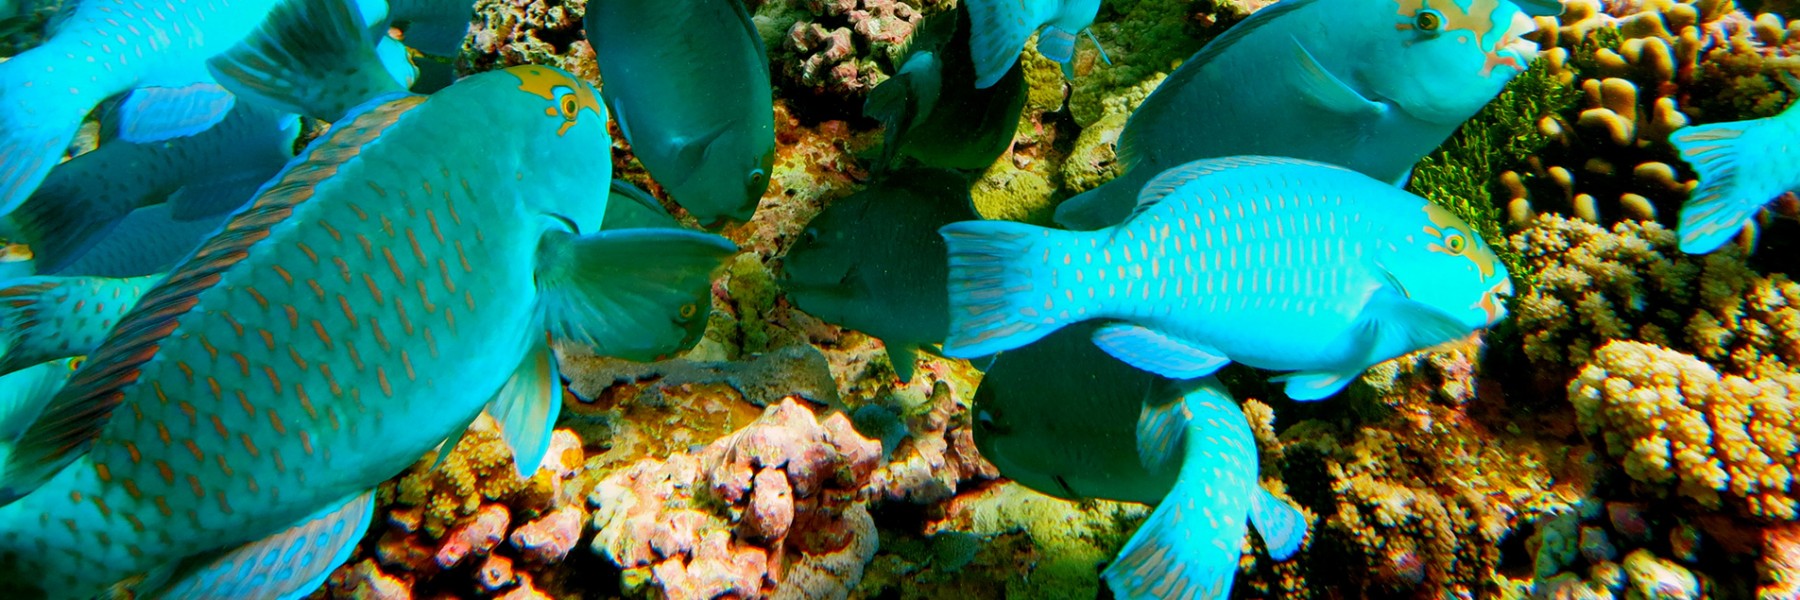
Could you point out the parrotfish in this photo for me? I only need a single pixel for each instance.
(930, 109)
(148, 240)
(1066, 419)
(1743, 165)
(253, 47)
(630, 207)
(1001, 27)
(49, 317)
(201, 177)
(873, 261)
(225, 438)
(24, 393)
(688, 82)
(1276, 263)
(1373, 85)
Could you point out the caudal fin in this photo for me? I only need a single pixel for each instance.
(1728, 195)
(1178, 553)
(29, 146)
(1003, 286)
(997, 32)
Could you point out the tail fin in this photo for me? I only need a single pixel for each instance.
(1728, 195)
(1179, 552)
(311, 58)
(1003, 280)
(35, 125)
(997, 32)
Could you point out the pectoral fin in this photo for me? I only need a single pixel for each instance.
(527, 407)
(1159, 353)
(638, 294)
(154, 114)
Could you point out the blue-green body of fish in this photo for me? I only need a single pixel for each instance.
(47, 317)
(1000, 28)
(688, 82)
(930, 110)
(1743, 165)
(1064, 418)
(1276, 263)
(1372, 85)
(320, 343)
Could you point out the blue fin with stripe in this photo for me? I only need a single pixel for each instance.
(1728, 195)
(637, 294)
(1157, 352)
(154, 114)
(1314, 386)
(1282, 526)
(998, 30)
(286, 566)
(527, 407)
(309, 57)
(1185, 550)
(997, 285)
(1161, 428)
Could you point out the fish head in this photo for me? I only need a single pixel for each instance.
(1444, 264)
(728, 180)
(563, 119)
(819, 272)
(1440, 61)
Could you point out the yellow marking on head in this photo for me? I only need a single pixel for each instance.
(570, 95)
(1456, 239)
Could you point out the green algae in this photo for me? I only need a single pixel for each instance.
(1143, 38)
(1014, 194)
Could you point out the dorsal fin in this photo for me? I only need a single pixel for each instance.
(1168, 181)
(1127, 152)
(74, 418)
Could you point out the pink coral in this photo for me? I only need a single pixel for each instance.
(783, 490)
(938, 455)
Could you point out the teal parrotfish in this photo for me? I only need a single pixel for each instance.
(930, 109)
(999, 29)
(873, 261)
(51, 317)
(1064, 418)
(1276, 263)
(315, 57)
(1372, 85)
(201, 177)
(688, 83)
(1743, 165)
(225, 438)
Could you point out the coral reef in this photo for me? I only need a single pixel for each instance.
(1675, 422)
(773, 509)
(507, 33)
(841, 47)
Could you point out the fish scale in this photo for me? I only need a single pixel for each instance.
(333, 305)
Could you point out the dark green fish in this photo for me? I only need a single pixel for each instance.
(931, 109)
(870, 261)
(688, 82)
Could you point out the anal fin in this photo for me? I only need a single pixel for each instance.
(288, 565)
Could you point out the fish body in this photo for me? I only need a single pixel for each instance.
(149, 240)
(199, 177)
(1063, 418)
(688, 82)
(931, 110)
(1372, 85)
(1276, 263)
(318, 345)
(873, 261)
(49, 317)
(1001, 27)
(1743, 165)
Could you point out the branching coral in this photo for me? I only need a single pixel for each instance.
(1675, 422)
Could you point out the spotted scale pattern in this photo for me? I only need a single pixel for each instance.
(50, 317)
(334, 313)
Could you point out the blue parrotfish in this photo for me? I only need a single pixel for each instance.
(1276, 263)
(688, 82)
(225, 438)
(999, 29)
(200, 177)
(1066, 419)
(930, 109)
(252, 47)
(873, 261)
(1743, 165)
(50, 317)
(1372, 85)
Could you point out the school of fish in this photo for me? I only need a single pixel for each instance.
(223, 345)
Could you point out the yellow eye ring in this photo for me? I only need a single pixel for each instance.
(689, 310)
(1456, 243)
(569, 106)
(1428, 20)
(75, 363)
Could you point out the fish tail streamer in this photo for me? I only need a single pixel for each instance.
(1004, 285)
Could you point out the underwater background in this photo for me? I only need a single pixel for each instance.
(1629, 431)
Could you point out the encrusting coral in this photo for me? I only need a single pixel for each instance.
(1675, 422)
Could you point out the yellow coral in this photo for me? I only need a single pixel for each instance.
(1673, 419)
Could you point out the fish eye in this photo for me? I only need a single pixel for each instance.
(811, 235)
(1428, 20)
(757, 176)
(75, 363)
(569, 105)
(985, 419)
(1456, 243)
